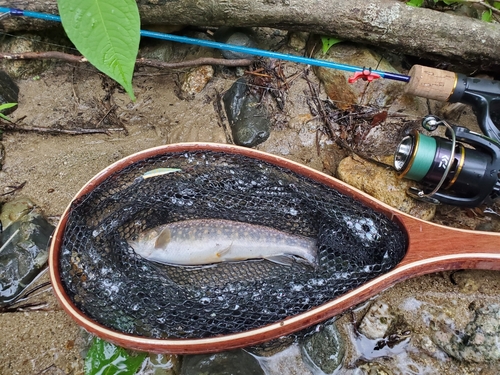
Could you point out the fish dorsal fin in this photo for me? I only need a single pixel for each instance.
(163, 239)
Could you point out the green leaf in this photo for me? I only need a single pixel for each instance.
(496, 4)
(415, 3)
(107, 33)
(104, 358)
(6, 106)
(328, 42)
(486, 15)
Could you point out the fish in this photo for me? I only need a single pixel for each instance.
(199, 242)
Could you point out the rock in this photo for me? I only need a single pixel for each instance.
(236, 362)
(383, 184)
(324, 349)
(478, 342)
(24, 253)
(9, 92)
(236, 36)
(195, 81)
(161, 364)
(379, 93)
(168, 51)
(14, 210)
(247, 116)
(287, 361)
(376, 321)
(49, 40)
(373, 368)
(297, 40)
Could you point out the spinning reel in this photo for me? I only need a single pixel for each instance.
(449, 172)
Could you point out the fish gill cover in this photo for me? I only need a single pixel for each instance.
(117, 288)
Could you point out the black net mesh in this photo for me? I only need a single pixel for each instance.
(117, 288)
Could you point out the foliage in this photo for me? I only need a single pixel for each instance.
(107, 34)
(486, 15)
(6, 106)
(328, 42)
(104, 358)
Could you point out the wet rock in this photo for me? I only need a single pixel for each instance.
(379, 93)
(288, 361)
(247, 116)
(14, 210)
(161, 364)
(195, 81)
(384, 185)
(23, 253)
(236, 36)
(375, 369)
(9, 92)
(324, 349)
(478, 342)
(376, 321)
(236, 362)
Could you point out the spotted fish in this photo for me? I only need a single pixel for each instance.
(207, 241)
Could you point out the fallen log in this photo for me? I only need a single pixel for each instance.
(388, 24)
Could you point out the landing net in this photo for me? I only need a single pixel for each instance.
(112, 285)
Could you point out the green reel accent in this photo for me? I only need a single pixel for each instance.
(422, 158)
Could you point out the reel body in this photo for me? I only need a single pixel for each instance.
(449, 172)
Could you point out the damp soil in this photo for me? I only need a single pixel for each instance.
(53, 167)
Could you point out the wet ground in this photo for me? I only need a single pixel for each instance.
(55, 167)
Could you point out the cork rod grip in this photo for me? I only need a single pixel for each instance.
(431, 83)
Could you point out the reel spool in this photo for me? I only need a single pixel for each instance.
(450, 172)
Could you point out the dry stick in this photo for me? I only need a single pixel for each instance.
(140, 62)
(78, 131)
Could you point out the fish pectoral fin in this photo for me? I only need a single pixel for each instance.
(221, 253)
(289, 260)
(163, 239)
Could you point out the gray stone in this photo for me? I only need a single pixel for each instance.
(376, 321)
(324, 349)
(238, 37)
(478, 342)
(247, 116)
(24, 253)
(236, 362)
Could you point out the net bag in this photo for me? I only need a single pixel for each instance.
(109, 283)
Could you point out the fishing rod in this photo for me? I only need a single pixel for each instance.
(468, 177)
(363, 73)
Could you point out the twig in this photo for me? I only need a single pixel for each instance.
(14, 189)
(485, 4)
(106, 115)
(139, 62)
(77, 131)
